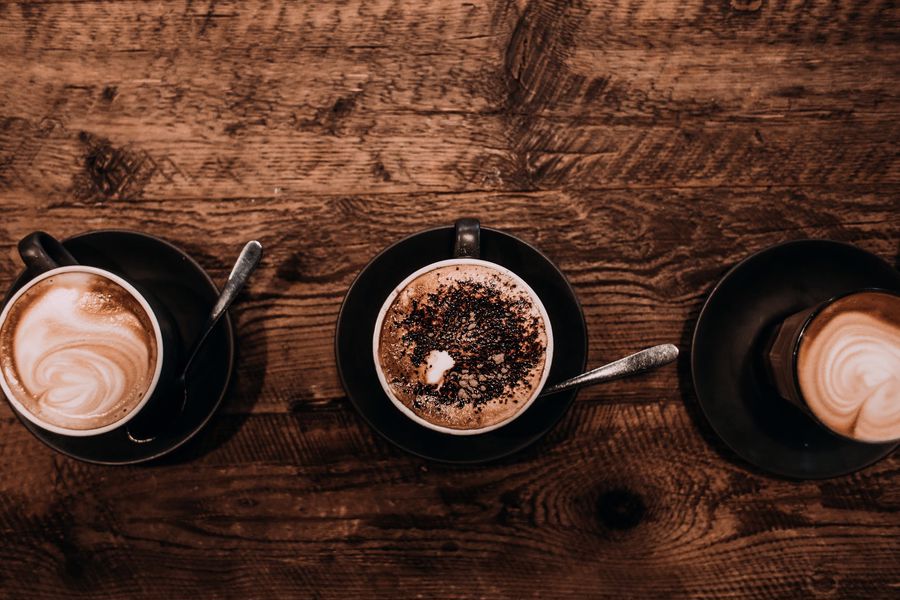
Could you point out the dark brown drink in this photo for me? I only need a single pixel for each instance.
(464, 346)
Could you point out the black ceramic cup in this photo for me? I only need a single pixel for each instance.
(44, 258)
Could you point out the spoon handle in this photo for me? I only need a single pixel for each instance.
(639, 362)
(240, 273)
(244, 265)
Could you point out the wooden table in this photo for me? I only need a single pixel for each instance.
(645, 146)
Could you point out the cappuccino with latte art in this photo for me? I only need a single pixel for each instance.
(841, 363)
(79, 350)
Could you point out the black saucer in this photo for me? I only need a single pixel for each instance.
(356, 322)
(187, 292)
(740, 313)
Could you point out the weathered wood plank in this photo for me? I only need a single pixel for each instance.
(619, 499)
(645, 146)
(442, 153)
(598, 78)
(543, 97)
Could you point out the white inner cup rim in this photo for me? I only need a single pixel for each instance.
(157, 334)
(376, 334)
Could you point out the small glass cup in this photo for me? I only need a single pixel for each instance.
(783, 352)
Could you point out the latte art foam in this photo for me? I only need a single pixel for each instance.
(78, 350)
(849, 367)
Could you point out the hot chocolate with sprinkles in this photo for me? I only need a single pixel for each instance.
(464, 346)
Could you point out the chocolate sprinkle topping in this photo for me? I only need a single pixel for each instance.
(494, 340)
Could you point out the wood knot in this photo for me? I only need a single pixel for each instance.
(746, 5)
(343, 106)
(821, 583)
(247, 502)
(110, 92)
(380, 171)
(511, 500)
(620, 509)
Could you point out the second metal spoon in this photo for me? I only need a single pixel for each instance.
(633, 364)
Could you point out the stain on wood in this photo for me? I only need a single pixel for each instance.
(644, 146)
(110, 172)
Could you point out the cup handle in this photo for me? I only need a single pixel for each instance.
(468, 239)
(42, 252)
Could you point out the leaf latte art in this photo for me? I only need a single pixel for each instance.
(849, 371)
(79, 351)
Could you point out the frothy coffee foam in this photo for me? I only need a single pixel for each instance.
(78, 350)
(463, 346)
(849, 366)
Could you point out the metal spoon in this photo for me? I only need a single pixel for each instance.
(245, 265)
(645, 360)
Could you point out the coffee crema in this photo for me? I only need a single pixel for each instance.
(463, 346)
(848, 366)
(78, 351)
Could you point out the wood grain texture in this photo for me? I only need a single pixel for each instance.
(644, 146)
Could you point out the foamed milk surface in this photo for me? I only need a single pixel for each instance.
(78, 350)
(438, 363)
(849, 372)
(394, 352)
